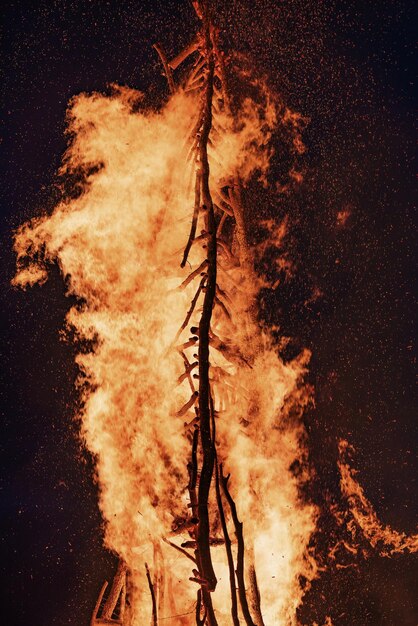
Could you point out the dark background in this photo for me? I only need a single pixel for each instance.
(348, 66)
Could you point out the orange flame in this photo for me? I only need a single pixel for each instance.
(383, 538)
(119, 245)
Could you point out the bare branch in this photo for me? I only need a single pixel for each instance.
(191, 309)
(193, 274)
(228, 549)
(179, 549)
(188, 404)
(167, 69)
(188, 50)
(240, 554)
(194, 219)
(154, 602)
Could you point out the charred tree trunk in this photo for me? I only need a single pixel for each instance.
(208, 445)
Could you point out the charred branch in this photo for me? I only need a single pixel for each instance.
(208, 447)
(240, 553)
(188, 404)
(193, 275)
(191, 309)
(182, 56)
(180, 549)
(228, 549)
(189, 368)
(194, 219)
(153, 598)
(167, 69)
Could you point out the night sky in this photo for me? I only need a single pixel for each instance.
(348, 67)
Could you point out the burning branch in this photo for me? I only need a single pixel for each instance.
(167, 68)
(240, 555)
(228, 548)
(154, 601)
(208, 446)
(117, 594)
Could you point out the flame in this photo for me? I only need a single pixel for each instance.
(383, 538)
(119, 245)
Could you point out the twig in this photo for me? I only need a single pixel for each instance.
(194, 219)
(221, 224)
(167, 69)
(228, 549)
(193, 274)
(154, 602)
(191, 309)
(223, 307)
(186, 374)
(240, 553)
(188, 404)
(179, 549)
(188, 344)
(196, 69)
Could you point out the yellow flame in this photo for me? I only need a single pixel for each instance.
(119, 245)
(382, 537)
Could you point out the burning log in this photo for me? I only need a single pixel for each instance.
(115, 601)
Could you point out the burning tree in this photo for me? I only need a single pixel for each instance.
(192, 416)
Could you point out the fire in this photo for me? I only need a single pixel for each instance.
(182, 387)
(382, 538)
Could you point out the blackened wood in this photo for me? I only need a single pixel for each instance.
(208, 449)
(167, 69)
(193, 274)
(194, 220)
(228, 549)
(179, 549)
(191, 309)
(154, 601)
(240, 553)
